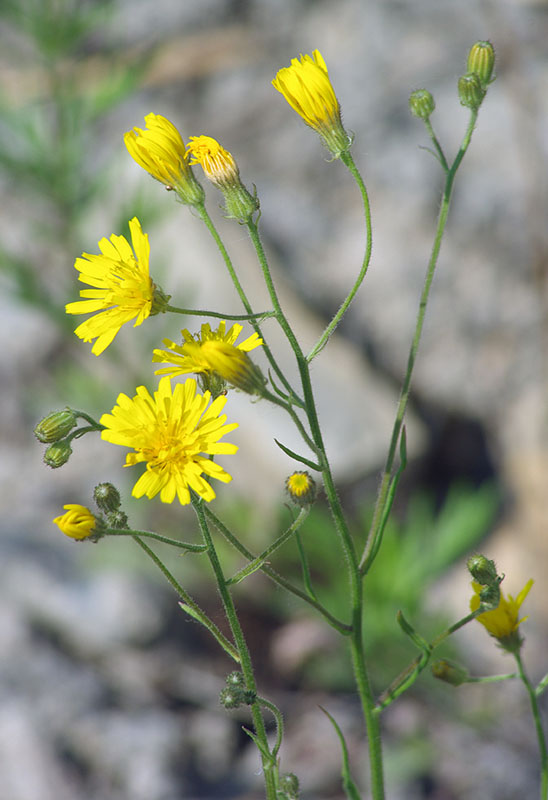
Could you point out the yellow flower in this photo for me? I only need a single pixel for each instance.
(174, 433)
(502, 623)
(78, 522)
(123, 288)
(308, 90)
(160, 150)
(214, 351)
(301, 488)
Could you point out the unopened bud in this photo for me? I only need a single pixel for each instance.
(449, 672)
(117, 519)
(57, 454)
(421, 104)
(230, 697)
(481, 60)
(107, 497)
(289, 783)
(471, 91)
(55, 426)
(483, 570)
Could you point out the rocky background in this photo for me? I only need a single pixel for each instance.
(106, 691)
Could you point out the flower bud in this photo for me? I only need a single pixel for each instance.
(449, 672)
(231, 697)
(421, 104)
(78, 522)
(117, 519)
(234, 679)
(289, 783)
(301, 488)
(481, 60)
(483, 570)
(57, 454)
(55, 426)
(471, 91)
(107, 497)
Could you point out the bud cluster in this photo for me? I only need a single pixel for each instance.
(235, 694)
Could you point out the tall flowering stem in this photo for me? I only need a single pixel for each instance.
(356, 587)
(538, 726)
(268, 759)
(382, 496)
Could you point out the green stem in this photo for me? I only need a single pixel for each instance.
(268, 761)
(307, 580)
(279, 723)
(437, 145)
(404, 395)
(493, 678)
(204, 216)
(347, 159)
(356, 588)
(538, 726)
(410, 674)
(195, 610)
(257, 562)
(541, 686)
(200, 312)
(342, 627)
(192, 548)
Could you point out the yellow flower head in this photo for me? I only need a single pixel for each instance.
(174, 433)
(122, 289)
(217, 163)
(78, 522)
(502, 623)
(214, 352)
(308, 90)
(301, 488)
(160, 150)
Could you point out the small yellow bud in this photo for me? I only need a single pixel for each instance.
(57, 454)
(471, 91)
(78, 522)
(55, 426)
(221, 169)
(421, 104)
(481, 60)
(301, 488)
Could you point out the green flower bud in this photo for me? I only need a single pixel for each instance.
(449, 672)
(234, 679)
(230, 697)
(117, 519)
(57, 454)
(55, 426)
(481, 60)
(289, 783)
(421, 104)
(483, 570)
(107, 497)
(471, 91)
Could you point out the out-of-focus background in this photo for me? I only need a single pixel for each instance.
(107, 691)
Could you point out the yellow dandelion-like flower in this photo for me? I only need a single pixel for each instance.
(159, 149)
(301, 488)
(174, 433)
(502, 622)
(308, 90)
(122, 291)
(213, 351)
(78, 522)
